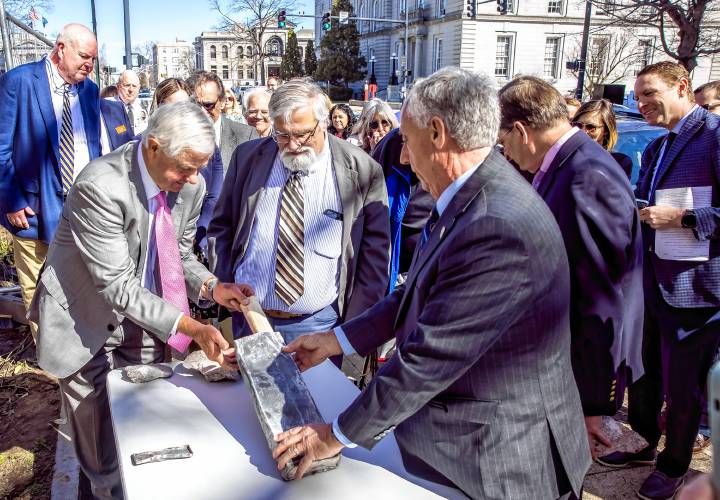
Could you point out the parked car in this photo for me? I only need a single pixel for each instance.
(633, 137)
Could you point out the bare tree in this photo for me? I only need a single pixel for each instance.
(687, 29)
(21, 8)
(247, 21)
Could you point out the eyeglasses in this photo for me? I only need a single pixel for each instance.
(300, 139)
(209, 106)
(588, 127)
(375, 124)
(711, 107)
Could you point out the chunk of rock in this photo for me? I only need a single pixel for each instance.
(16, 471)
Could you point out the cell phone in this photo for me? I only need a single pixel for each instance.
(173, 453)
(714, 413)
(641, 203)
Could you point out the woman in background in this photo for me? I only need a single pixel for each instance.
(376, 120)
(342, 120)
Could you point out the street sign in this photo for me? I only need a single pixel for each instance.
(343, 16)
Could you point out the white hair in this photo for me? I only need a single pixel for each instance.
(128, 73)
(465, 101)
(297, 94)
(181, 126)
(252, 93)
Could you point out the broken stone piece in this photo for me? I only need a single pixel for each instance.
(211, 370)
(281, 398)
(145, 373)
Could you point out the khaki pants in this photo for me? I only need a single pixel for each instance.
(29, 257)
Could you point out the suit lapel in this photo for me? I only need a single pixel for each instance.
(91, 119)
(567, 149)
(226, 139)
(41, 84)
(687, 131)
(141, 203)
(347, 187)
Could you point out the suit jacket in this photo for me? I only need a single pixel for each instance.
(693, 160)
(117, 124)
(213, 174)
(365, 240)
(232, 134)
(480, 391)
(29, 169)
(593, 203)
(92, 278)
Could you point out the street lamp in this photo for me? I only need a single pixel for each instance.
(393, 74)
(372, 81)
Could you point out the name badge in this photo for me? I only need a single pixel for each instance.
(333, 214)
(120, 129)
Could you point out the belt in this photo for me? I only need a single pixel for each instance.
(282, 314)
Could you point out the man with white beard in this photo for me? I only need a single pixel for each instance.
(303, 217)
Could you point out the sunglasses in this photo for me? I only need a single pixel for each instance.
(209, 106)
(711, 107)
(375, 124)
(589, 127)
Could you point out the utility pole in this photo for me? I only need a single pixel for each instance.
(97, 59)
(583, 52)
(7, 48)
(128, 48)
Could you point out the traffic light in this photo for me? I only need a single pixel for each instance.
(326, 24)
(470, 8)
(502, 7)
(281, 19)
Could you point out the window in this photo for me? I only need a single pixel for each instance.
(164, 51)
(440, 7)
(250, 73)
(175, 50)
(643, 54)
(374, 13)
(403, 6)
(510, 6)
(248, 51)
(503, 56)
(552, 56)
(226, 72)
(224, 52)
(604, 7)
(239, 52)
(437, 54)
(274, 47)
(598, 54)
(241, 74)
(555, 7)
(213, 69)
(213, 52)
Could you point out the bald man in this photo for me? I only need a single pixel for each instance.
(49, 131)
(128, 89)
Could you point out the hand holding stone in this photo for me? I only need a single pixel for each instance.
(312, 442)
(311, 350)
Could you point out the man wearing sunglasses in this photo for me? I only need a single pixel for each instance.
(708, 96)
(303, 216)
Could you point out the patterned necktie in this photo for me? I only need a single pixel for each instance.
(669, 139)
(131, 115)
(172, 277)
(289, 283)
(67, 143)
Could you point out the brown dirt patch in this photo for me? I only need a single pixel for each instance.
(29, 404)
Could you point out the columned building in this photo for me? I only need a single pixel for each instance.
(172, 60)
(235, 60)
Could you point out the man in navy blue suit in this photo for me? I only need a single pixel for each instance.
(682, 292)
(594, 206)
(116, 128)
(49, 131)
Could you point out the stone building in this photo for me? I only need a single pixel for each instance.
(172, 60)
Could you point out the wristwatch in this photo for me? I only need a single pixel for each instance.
(689, 219)
(210, 289)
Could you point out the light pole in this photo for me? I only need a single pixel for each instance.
(373, 80)
(393, 74)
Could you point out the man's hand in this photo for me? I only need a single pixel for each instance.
(311, 350)
(19, 218)
(210, 340)
(232, 295)
(662, 217)
(595, 435)
(312, 442)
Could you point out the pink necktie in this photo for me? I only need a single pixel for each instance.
(172, 277)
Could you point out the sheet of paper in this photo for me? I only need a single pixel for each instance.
(680, 243)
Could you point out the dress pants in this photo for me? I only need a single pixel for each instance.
(85, 398)
(676, 372)
(30, 255)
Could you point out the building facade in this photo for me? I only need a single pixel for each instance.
(535, 37)
(172, 60)
(235, 60)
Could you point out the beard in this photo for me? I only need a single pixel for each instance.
(300, 160)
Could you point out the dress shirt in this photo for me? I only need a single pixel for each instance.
(550, 156)
(139, 122)
(661, 155)
(322, 243)
(151, 191)
(218, 130)
(105, 147)
(441, 205)
(81, 152)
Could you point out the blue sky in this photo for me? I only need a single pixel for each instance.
(150, 20)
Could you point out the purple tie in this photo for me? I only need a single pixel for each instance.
(172, 277)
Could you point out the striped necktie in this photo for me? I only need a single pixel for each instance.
(67, 143)
(289, 282)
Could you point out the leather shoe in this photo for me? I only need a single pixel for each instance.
(620, 459)
(659, 486)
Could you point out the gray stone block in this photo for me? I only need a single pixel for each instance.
(282, 400)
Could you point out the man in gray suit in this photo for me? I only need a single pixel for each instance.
(104, 298)
(480, 393)
(303, 217)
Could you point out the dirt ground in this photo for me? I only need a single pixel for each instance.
(29, 406)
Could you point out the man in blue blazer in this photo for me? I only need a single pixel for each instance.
(116, 129)
(49, 131)
(594, 206)
(682, 295)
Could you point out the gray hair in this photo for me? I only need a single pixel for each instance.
(251, 93)
(297, 94)
(128, 74)
(181, 126)
(465, 101)
(362, 127)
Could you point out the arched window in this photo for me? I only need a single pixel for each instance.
(239, 52)
(274, 47)
(375, 13)
(224, 51)
(249, 51)
(213, 52)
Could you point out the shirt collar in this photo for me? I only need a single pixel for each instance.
(555, 148)
(151, 189)
(446, 197)
(57, 83)
(678, 125)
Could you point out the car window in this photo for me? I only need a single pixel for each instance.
(632, 141)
